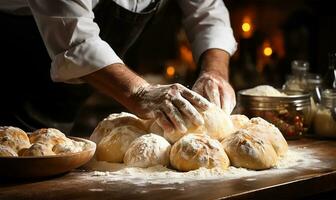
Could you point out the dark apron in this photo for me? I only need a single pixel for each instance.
(29, 99)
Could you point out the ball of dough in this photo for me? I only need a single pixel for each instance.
(7, 151)
(14, 138)
(113, 146)
(113, 121)
(249, 150)
(259, 126)
(148, 150)
(217, 124)
(38, 149)
(197, 150)
(68, 146)
(239, 121)
(48, 136)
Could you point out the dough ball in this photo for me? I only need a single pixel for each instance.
(239, 121)
(113, 146)
(197, 150)
(148, 150)
(14, 138)
(48, 136)
(259, 126)
(249, 151)
(50, 141)
(38, 149)
(217, 124)
(113, 121)
(7, 151)
(68, 146)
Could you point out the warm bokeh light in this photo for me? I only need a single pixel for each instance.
(246, 27)
(170, 71)
(268, 51)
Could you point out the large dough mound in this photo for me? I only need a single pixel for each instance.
(248, 150)
(14, 138)
(148, 150)
(217, 125)
(113, 121)
(198, 150)
(114, 145)
(259, 126)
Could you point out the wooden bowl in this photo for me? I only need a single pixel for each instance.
(43, 166)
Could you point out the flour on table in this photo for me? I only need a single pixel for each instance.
(295, 159)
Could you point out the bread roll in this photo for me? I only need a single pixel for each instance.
(48, 136)
(50, 141)
(38, 149)
(259, 126)
(113, 146)
(148, 150)
(193, 151)
(7, 151)
(239, 121)
(249, 150)
(68, 146)
(217, 125)
(14, 138)
(113, 121)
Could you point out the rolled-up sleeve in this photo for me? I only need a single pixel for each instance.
(207, 24)
(71, 38)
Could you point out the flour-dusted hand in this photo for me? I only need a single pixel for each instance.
(171, 105)
(217, 90)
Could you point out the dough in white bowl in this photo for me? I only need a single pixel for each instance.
(113, 146)
(148, 150)
(193, 151)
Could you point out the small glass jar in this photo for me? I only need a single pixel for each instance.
(291, 114)
(325, 117)
(297, 80)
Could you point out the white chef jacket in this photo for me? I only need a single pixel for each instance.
(72, 37)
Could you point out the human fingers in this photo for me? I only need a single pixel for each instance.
(174, 116)
(188, 110)
(228, 100)
(195, 99)
(163, 122)
(211, 90)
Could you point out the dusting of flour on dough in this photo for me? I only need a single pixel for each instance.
(112, 172)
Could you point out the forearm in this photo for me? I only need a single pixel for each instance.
(215, 60)
(118, 82)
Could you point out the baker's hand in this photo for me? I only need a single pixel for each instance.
(217, 90)
(171, 105)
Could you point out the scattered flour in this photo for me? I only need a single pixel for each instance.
(112, 172)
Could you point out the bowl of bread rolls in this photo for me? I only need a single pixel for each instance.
(291, 112)
(44, 152)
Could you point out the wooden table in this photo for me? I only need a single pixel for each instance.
(293, 184)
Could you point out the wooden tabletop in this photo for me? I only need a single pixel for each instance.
(289, 184)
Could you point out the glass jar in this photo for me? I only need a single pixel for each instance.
(291, 114)
(297, 80)
(325, 117)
